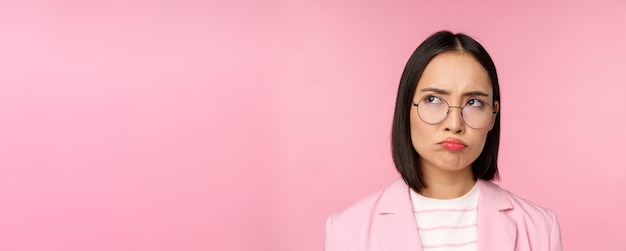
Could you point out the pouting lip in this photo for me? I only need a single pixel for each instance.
(453, 141)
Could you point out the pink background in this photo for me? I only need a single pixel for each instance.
(183, 125)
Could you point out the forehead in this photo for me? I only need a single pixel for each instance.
(455, 72)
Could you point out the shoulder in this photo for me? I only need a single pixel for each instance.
(537, 226)
(359, 211)
(527, 214)
(359, 214)
(346, 229)
(522, 205)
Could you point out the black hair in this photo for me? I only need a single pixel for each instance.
(405, 158)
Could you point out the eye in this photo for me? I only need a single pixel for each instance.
(475, 103)
(432, 100)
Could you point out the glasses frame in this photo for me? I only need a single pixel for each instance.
(448, 112)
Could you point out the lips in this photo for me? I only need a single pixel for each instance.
(453, 144)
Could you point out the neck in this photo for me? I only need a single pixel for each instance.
(448, 185)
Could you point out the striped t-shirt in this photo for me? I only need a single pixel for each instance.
(447, 225)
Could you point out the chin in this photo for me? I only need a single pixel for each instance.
(453, 168)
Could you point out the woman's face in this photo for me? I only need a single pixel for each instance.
(451, 145)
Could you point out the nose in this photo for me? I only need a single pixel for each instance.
(454, 121)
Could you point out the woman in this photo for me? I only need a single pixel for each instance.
(445, 138)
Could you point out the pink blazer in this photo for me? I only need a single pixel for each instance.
(384, 221)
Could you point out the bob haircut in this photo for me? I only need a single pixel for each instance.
(405, 158)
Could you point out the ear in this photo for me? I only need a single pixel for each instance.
(496, 107)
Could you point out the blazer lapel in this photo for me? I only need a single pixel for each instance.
(496, 230)
(394, 223)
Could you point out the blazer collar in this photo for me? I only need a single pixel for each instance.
(396, 229)
(394, 221)
(494, 196)
(496, 230)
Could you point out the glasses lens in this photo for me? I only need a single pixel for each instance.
(477, 115)
(432, 110)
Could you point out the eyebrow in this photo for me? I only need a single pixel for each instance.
(440, 91)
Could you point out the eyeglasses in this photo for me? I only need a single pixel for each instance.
(476, 113)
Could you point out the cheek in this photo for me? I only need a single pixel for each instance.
(419, 132)
(481, 139)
